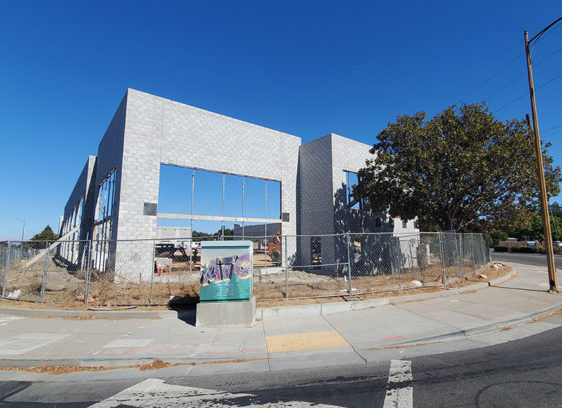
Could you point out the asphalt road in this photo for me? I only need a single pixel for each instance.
(522, 373)
(526, 259)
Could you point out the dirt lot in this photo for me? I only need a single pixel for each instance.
(64, 289)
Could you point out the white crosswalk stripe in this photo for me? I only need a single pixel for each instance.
(399, 393)
(5, 319)
(155, 393)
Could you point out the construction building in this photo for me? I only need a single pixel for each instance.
(116, 197)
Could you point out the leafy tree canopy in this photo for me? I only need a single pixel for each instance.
(457, 171)
(227, 232)
(46, 235)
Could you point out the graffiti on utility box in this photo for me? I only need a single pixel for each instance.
(221, 269)
(226, 271)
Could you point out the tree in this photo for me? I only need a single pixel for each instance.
(459, 171)
(227, 232)
(46, 235)
(496, 236)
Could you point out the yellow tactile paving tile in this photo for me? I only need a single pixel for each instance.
(305, 341)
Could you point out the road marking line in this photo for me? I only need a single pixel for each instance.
(4, 319)
(398, 395)
(154, 392)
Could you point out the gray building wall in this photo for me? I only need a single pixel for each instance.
(83, 191)
(158, 130)
(315, 187)
(147, 131)
(322, 195)
(110, 156)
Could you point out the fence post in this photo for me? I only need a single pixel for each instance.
(88, 273)
(6, 266)
(154, 263)
(266, 253)
(472, 251)
(442, 256)
(461, 256)
(45, 268)
(396, 257)
(286, 248)
(350, 289)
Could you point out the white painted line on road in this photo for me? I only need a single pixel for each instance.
(28, 341)
(5, 319)
(152, 393)
(399, 391)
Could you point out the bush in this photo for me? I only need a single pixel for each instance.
(496, 236)
(526, 250)
(501, 249)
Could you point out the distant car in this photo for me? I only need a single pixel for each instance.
(531, 243)
(558, 243)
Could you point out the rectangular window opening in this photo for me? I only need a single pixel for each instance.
(351, 182)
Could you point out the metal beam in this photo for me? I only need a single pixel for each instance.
(216, 218)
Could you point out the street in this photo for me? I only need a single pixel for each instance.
(526, 259)
(494, 347)
(522, 373)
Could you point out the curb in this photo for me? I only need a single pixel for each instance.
(262, 313)
(133, 362)
(110, 314)
(115, 364)
(487, 328)
(321, 309)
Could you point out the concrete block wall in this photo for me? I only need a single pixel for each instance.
(347, 155)
(84, 190)
(110, 158)
(315, 195)
(159, 130)
(147, 131)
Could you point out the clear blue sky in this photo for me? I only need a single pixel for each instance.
(302, 67)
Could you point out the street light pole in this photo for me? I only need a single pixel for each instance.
(22, 228)
(540, 167)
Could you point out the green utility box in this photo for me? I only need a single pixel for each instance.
(226, 271)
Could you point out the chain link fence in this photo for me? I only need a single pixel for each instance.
(160, 272)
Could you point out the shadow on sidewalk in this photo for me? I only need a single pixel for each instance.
(186, 313)
(525, 289)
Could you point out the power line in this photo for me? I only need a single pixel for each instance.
(527, 93)
(512, 102)
(495, 74)
(490, 78)
(503, 87)
(550, 129)
(522, 75)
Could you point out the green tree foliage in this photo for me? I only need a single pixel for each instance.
(227, 232)
(496, 236)
(534, 230)
(458, 171)
(46, 235)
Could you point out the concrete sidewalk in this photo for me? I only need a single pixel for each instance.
(395, 330)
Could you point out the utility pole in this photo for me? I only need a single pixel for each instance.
(22, 228)
(540, 171)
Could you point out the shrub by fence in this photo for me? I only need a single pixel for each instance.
(526, 250)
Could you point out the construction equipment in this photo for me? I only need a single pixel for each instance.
(274, 247)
